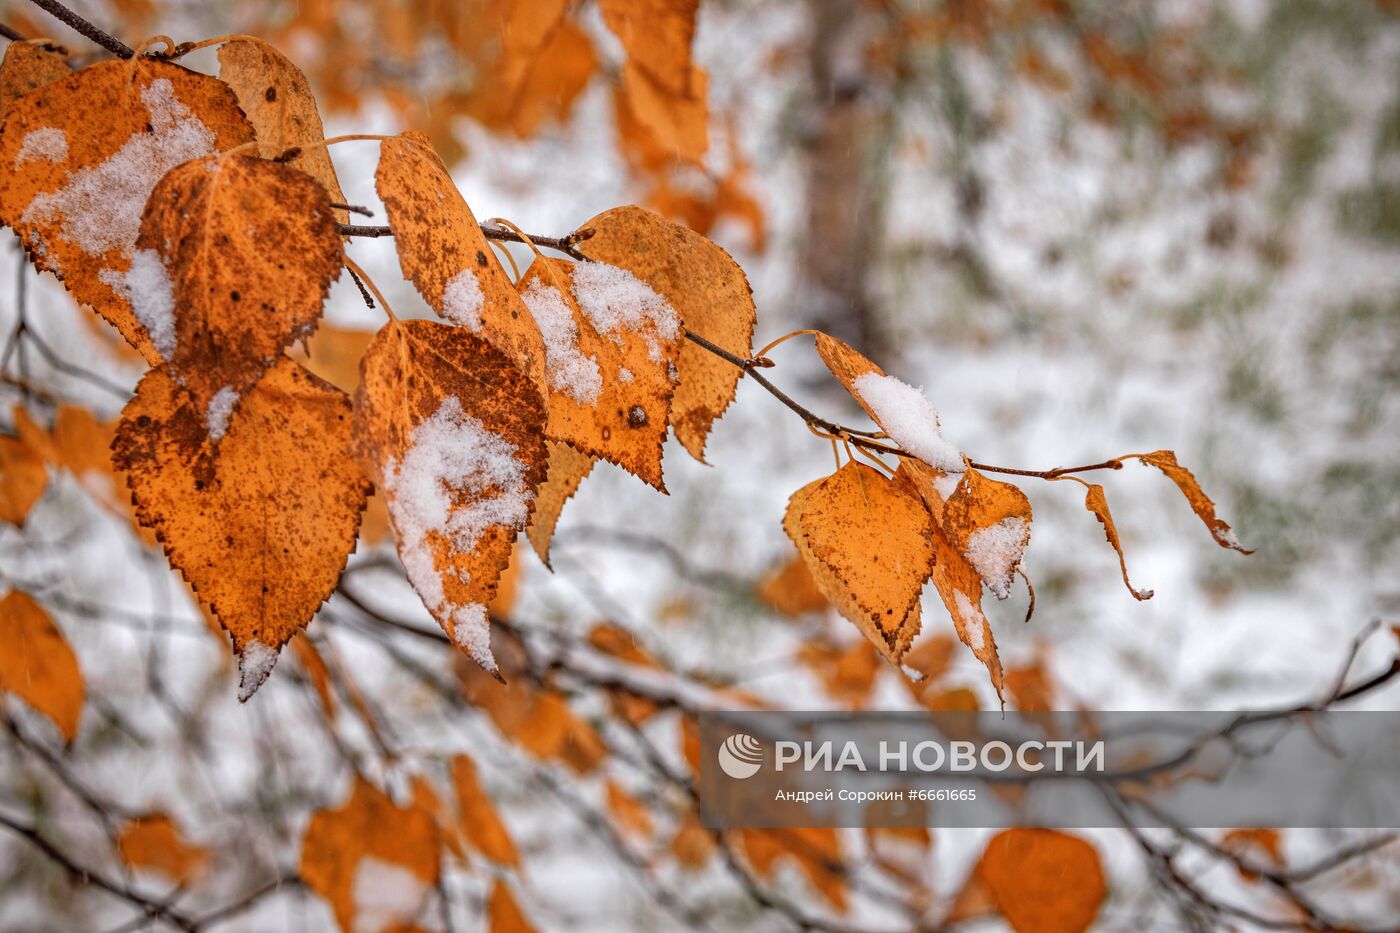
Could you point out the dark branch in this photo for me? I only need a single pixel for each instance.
(109, 42)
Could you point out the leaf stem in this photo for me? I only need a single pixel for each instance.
(109, 42)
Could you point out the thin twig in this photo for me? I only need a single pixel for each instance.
(109, 42)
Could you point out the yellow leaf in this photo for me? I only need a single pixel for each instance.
(567, 470)
(38, 665)
(86, 151)
(867, 543)
(989, 522)
(610, 343)
(260, 528)
(478, 820)
(1042, 880)
(349, 851)
(153, 842)
(709, 291)
(22, 479)
(679, 125)
(504, 913)
(443, 252)
(28, 65)
(234, 261)
(452, 432)
(278, 100)
(790, 590)
(954, 576)
(1165, 460)
(657, 35)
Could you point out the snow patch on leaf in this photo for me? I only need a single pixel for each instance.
(615, 300)
(969, 613)
(462, 300)
(996, 550)
(569, 370)
(146, 287)
(452, 453)
(100, 206)
(220, 412)
(255, 663)
(910, 419)
(46, 144)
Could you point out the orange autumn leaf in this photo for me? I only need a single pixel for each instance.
(316, 671)
(154, 842)
(367, 843)
(867, 543)
(709, 291)
(235, 258)
(1031, 689)
(478, 820)
(609, 344)
(424, 797)
(38, 665)
(503, 913)
(87, 151)
(280, 485)
(443, 252)
(547, 85)
(458, 491)
(848, 674)
(656, 35)
(1042, 880)
(693, 844)
(334, 353)
(989, 522)
(674, 124)
(82, 445)
(1096, 502)
(567, 469)
(790, 590)
(28, 65)
(1254, 846)
(22, 479)
(628, 813)
(278, 100)
(816, 851)
(1165, 460)
(955, 578)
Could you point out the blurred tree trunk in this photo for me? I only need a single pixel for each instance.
(846, 136)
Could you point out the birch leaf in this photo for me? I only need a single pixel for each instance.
(567, 469)
(28, 65)
(38, 665)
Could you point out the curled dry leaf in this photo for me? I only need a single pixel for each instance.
(868, 544)
(28, 65)
(989, 522)
(369, 843)
(235, 258)
(443, 252)
(280, 485)
(567, 469)
(86, 151)
(38, 665)
(477, 818)
(1165, 460)
(458, 491)
(154, 842)
(278, 100)
(1039, 880)
(610, 342)
(503, 913)
(23, 479)
(956, 579)
(656, 35)
(709, 291)
(1095, 501)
